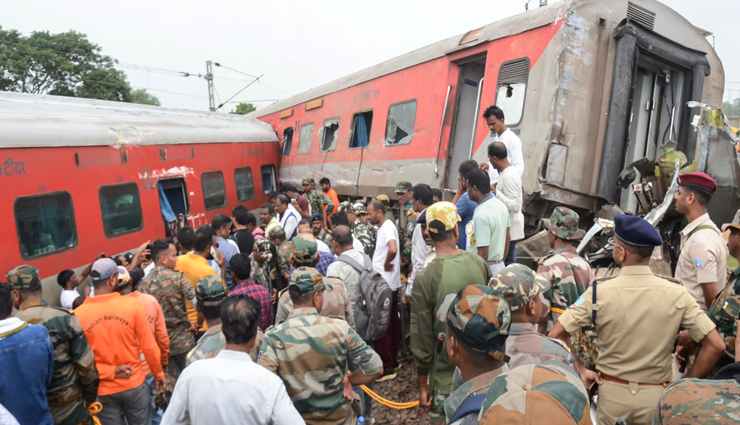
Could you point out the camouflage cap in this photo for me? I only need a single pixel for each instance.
(403, 187)
(546, 393)
(277, 232)
(360, 209)
(263, 247)
(304, 281)
(442, 216)
(563, 223)
(304, 247)
(209, 291)
(24, 278)
(345, 207)
(124, 278)
(477, 315)
(519, 285)
(308, 180)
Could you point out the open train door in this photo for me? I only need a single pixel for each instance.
(173, 201)
(465, 118)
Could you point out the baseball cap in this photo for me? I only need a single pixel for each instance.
(477, 315)
(547, 393)
(360, 209)
(403, 187)
(563, 223)
(308, 180)
(442, 216)
(123, 277)
(277, 232)
(209, 291)
(103, 269)
(345, 207)
(304, 281)
(263, 248)
(734, 224)
(24, 278)
(519, 285)
(304, 247)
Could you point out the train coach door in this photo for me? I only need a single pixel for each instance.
(173, 201)
(465, 118)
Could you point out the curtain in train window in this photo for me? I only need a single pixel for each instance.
(362, 123)
(304, 140)
(121, 208)
(400, 127)
(512, 90)
(329, 134)
(45, 224)
(287, 141)
(269, 182)
(244, 183)
(214, 192)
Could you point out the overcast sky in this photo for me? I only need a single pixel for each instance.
(296, 44)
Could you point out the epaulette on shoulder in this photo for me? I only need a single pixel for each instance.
(66, 310)
(671, 279)
(280, 294)
(560, 343)
(603, 279)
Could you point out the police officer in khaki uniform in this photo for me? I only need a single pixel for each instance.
(637, 316)
(702, 265)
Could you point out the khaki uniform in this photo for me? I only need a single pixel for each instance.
(632, 347)
(703, 259)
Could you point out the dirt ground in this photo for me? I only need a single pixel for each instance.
(402, 389)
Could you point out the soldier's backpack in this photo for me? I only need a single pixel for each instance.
(373, 308)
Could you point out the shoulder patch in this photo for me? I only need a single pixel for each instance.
(579, 301)
(698, 263)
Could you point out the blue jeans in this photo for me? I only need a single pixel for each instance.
(511, 257)
(156, 414)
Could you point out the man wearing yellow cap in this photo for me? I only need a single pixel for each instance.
(451, 271)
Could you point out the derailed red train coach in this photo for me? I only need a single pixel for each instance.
(82, 177)
(589, 87)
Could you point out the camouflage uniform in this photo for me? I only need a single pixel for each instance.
(569, 276)
(699, 402)
(446, 274)
(317, 199)
(479, 319)
(364, 233)
(74, 383)
(406, 224)
(547, 393)
(282, 265)
(336, 300)
(173, 291)
(725, 310)
(310, 354)
(519, 285)
(211, 293)
(261, 272)
(325, 237)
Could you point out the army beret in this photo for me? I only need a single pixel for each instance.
(699, 181)
(636, 231)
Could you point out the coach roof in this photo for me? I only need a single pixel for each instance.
(28, 120)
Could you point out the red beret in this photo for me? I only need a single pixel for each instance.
(698, 181)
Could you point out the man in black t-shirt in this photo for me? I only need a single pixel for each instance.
(243, 237)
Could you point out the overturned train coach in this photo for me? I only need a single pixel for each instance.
(589, 87)
(82, 177)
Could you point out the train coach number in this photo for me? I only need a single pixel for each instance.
(366, 95)
(253, 152)
(12, 168)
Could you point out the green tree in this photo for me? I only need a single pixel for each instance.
(732, 109)
(65, 64)
(143, 97)
(243, 109)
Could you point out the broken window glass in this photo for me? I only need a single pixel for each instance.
(287, 141)
(400, 127)
(304, 141)
(329, 134)
(512, 89)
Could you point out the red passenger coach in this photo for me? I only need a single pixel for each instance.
(589, 87)
(82, 177)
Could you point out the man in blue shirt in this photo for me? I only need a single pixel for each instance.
(27, 359)
(221, 225)
(465, 206)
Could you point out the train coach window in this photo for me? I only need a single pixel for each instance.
(304, 141)
(328, 134)
(269, 182)
(400, 127)
(287, 141)
(45, 224)
(362, 122)
(214, 192)
(121, 208)
(244, 183)
(512, 89)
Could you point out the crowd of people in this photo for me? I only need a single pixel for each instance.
(283, 323)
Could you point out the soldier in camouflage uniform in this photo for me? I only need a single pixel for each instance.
(318, 231)
(364, 231)
(316, 198)
(346, 207)
(452, 270)
(282, 265)
(569, 276)
(260, 261)
(522, 288)
(211, 294)
(310, 353)
(74, 384)
(700, 401)
(406, 224)
(336, 304)
(477, 321)
(548, 393)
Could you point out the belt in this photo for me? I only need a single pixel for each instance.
(490, 263)
(606, 377)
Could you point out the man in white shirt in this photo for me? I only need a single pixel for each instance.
(288, 216)
(386, 261)
(422, 198)
(499, 133)
(509, 191)
(230, 388)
